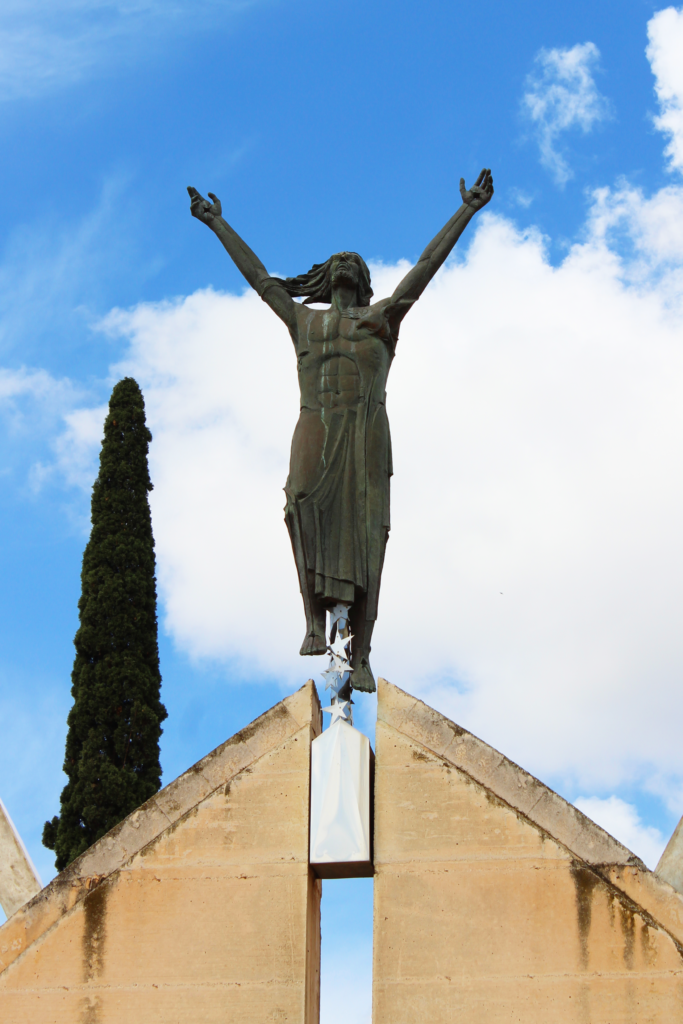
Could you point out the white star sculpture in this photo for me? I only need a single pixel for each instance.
(338, 672)
(338, 663)
(338, 648)
(340, 710)
(335, 680)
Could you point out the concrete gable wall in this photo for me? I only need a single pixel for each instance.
(495, 900)
(213, 918)
(487, 911)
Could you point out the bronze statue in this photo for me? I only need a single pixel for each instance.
(337, 510)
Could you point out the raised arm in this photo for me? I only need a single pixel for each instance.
(247, 262)
(416, 280)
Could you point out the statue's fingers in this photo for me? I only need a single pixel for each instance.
(192, 191)
(213, 198)
(462, 187)
(481, 177)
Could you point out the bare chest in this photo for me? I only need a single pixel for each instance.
(327, 335)
(329, 327)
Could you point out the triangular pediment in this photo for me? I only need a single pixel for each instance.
(537, 803)
(148, 823)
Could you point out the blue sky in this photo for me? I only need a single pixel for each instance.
(552, 470)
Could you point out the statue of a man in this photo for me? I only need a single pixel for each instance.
(337, 510)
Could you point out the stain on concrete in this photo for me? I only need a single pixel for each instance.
(584, 1003)
(90, 1010)
(244, 735)
(585, 884)
(648, 944)
(94, 931)
(612, 904)
(628, 928)
(457, 730)
(92, 942)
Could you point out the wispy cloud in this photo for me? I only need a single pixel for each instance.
(38, 410)
(48, 267)
(520, 198)
(562, 95)
(75, 449)
(18, 383)
(665, 53)
(27, 394)
(48, 44)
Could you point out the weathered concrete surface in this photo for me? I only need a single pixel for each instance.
(496, 901)
(670, 866)
(199, 907)
(19, 881)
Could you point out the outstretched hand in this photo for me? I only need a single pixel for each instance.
(480, 193)
(201, 208)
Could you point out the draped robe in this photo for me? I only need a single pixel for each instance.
(337, 509)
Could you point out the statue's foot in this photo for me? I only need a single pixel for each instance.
(313, 643)
(362, 677)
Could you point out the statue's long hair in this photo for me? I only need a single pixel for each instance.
(316, 285)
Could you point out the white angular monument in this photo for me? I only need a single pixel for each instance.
(341, 777)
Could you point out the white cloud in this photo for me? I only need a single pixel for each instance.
(22, 382)
(665, 53)
(623, 822)
(653, 224)
(29, 397)
(523, 199)
(34, 406)
(222, 402)
(77, 447)
(48, 44)
(562, 95)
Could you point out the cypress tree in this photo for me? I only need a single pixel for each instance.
(112, 744)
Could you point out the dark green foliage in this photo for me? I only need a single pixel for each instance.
(112, 745)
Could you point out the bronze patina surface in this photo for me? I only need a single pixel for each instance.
(337, 510)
